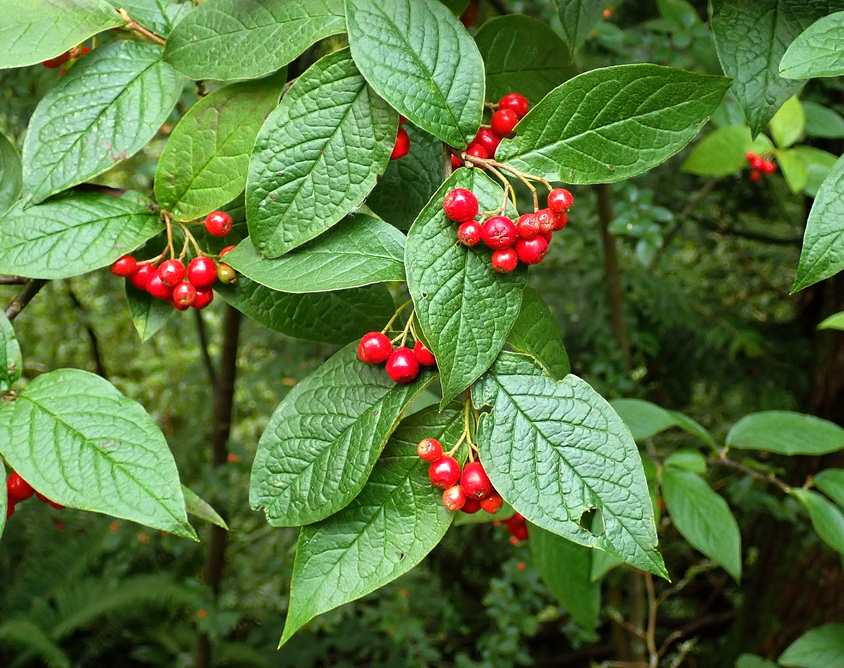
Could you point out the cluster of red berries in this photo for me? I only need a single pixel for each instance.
(402, 141)
(73, 54)
(509, 111)
(516, 527)
(759, 166)
(180, 285)
(469, 490)
(17, 490)
(403, 363)
(525, 240)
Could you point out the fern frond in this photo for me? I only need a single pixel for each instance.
(32, 638)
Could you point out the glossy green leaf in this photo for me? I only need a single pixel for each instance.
(788, 123)
(408, 184)
(73, 235)
(11, 361)
(786, 433)
(148, 313)
(465, 308)
(558, 453)
(203, 165)
(816, 52)
(317, 156)
(831, 481)
(11, 179)
(612, 123)
(102, 111)
(332, 317)
(703, 518)
(360, 250)
(395, 521)
(645, 420)
(159, 16)
(536, 333)
(566, 569)
(419, 57)
(753, 661)
(76, 439)
(827, 519)
(793, 169)
(720, 153)
(822, 255)
(579, 17)
(835, 321)
(202, 509)
(35, 30)
(457, 7)
(522, 55)
(751, 38)
(817, 163)
(822, 121)
(324, 438)
(244, 39)
(688, 460)
(821, 647)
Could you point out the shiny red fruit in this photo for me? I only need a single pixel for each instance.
(456, 162)
(547, 236)
(758, 162)
(445, 472)
(17, 488)
(560, 220)
(755, 175)
(58, 61)
(545, 220)
(227, 249)
(424, 356)
(202, 272)
(471, 233)
(138, 278)
(402, 145)
(157, 288)
(769, 167)
(471, 506)
(402, 366)
(477, 151)
(204, 296)
(172, 272)
(475, 481)
(460, 205)
(560, 200)
(488, 139)
(374, 348)
(531, 251)
(503, 121)
(218, 223)
(750, 156)
(430, 450)
(43, 498)
(124, 266)
(454, 498)
(499, 232)
(505, 260)
(184, 295)
(518, 103)
(493, 503)
(527, 226)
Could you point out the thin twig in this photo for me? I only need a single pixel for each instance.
(723, 460)
(138, 28)
(650, 635)
(12, 280)
(202, 335)
(30, 289)
(92, 334)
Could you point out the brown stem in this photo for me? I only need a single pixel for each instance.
(92, 334)
(650, 634)
(12, 280)
(138, 28)
(202, 335)
(30, 289)
(723, 460)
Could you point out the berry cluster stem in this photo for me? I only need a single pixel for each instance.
(138, 28)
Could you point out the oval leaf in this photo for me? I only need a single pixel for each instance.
(788, 123)
(817, 50)
(419, 57)
(822, 121)
(578, 18)
(822, 647)
(612, 123)
(537, 334)
(76, 439)
(558, 453)
(11, 179)
(10, 355)
(149, 314)
(831, 481)
(317, 156)
(244, 39)
(395, 521)
(786, 433)
(827, 519)
(73, 235)
(324, 438)
(202, 509)
(645, 420)
(465, 308)
(720, 153)
(102, 111)
(835, 321)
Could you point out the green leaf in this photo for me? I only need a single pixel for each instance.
(359, 251)
(753, 661)
(579, 17)
(720, 153)
(703, 518)
(395, 521)
(35, 30)
(827, 519)
(419, 57)
(522, 55)
(751, 38)
(817, 163)
(537, 334)
(457, 7)
(688, 460)
(10, 174)
(202, 509)
(793, 169)
(822, 121)
(788, 123)
(835, 321)
(821, 647)
(332, 317)
(786, 433)
(76, 439)
(102, 111)
(612, 123)
(245, 39)
(645, 420)
(148, 313)
(73, 235)
(566, 569)
(816, 52)
(3, 498)
(558, 453)
(10, 355)
(408, 184)
(159, 16)
(831, 481)
(465, 308)
(317, 156)
(204, 162)
(323, 439)
(823, 241)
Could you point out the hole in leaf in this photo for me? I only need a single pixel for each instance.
(592, 520)
(402, 555)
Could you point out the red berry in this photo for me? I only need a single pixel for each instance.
(454, 498)
(750, 156)
(755, 175)
(204, 296)
(493, 503)
(757, 162)
(124, 266)
(518, 103)
(545, 220)
(172, 272)
(402, 145)
(430, 449)
(227, 249)
(374, 348)
(560, 220)
(226, 274)
(560, 200)
(488, 139)
(402, 120)
(471, 506)
(499, 232)
(475, 481)
(460, 205)
(17, 488)
(445, 472)
(138, 278)
(503, 121)
(471, 233)
(531, 251)
(402, 365)
(527, 227)
(55, 505)
(157, 288)
(520, 533)
(424, 356)
(769, 167)
(58, 61)
(505, 260)
(10, 508)
(202, 272)
(78, 51)
(184, 295)
(547, 236)
(456, 162)
(218, 223)
(477, 151)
